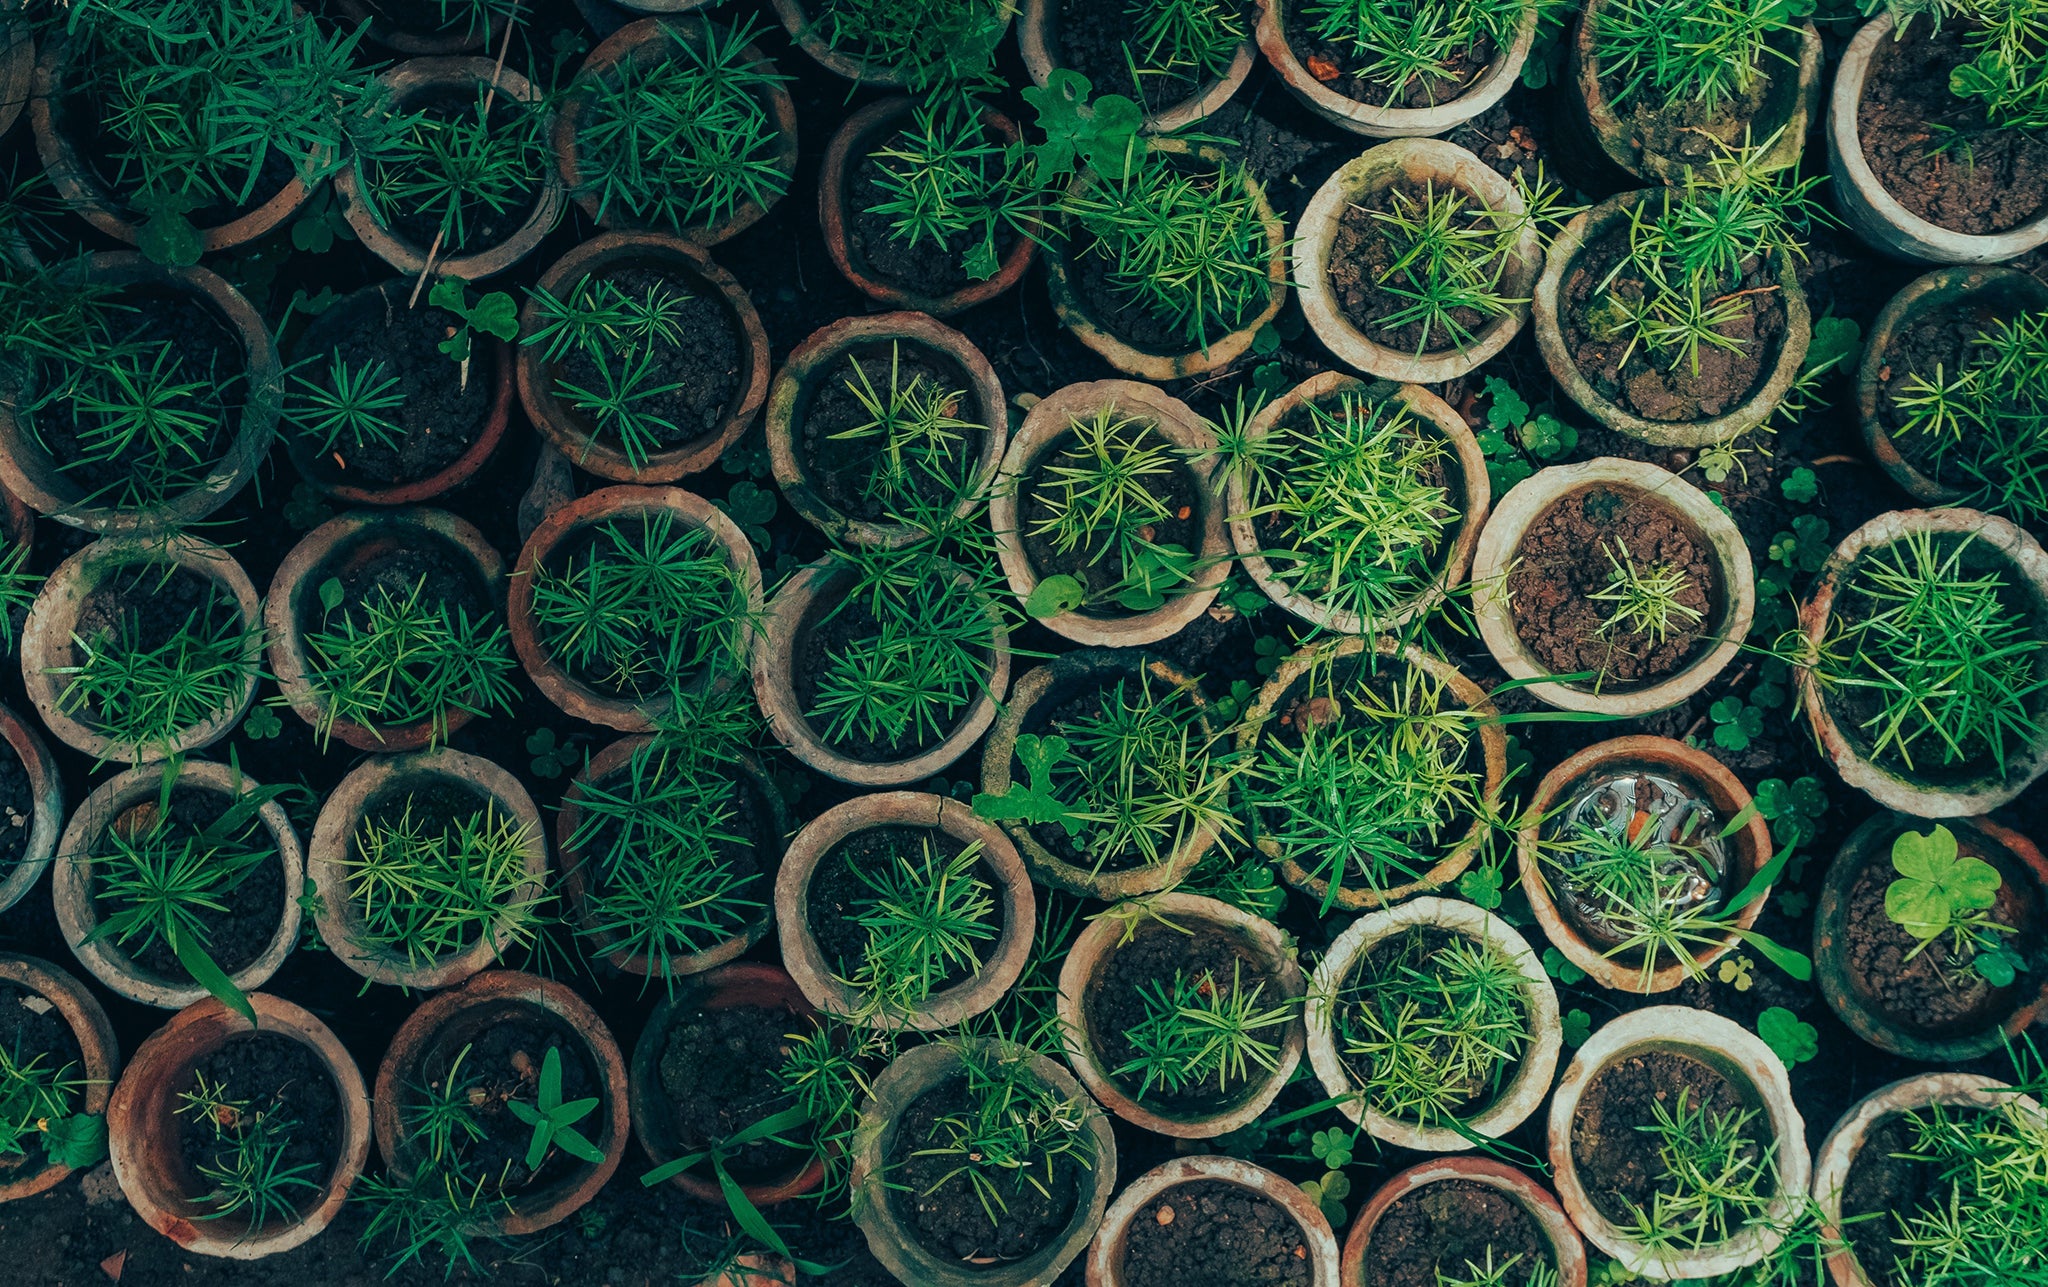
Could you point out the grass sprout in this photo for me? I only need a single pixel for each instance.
(1980, 429)
(249, 1171)
(1643, 598)
(397, 659)
(423, 890)
(1198, 1028)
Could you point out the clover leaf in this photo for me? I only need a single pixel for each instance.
(1937, 885)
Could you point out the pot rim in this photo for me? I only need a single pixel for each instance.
(1037, 23)
(1567, 1249)
(1105, 1252)
(1488, 88)
(46, 821)
(99, 1050)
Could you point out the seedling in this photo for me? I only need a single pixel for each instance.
(1977, 428)
(1644, 599)
(494, 314)
(1940, 891)
(461, 169)
(41, 1103)
(1507, 1273)
(916, 427)
(1662, 52)
(421, 891)
(944, 179)
(1182, 39)
(444, 1203)
(355, 400)
(1397, 43)
(1104, 495)
(2008, 67)
(1718, 1177)
(772, 1128)
(923, 915)
(624, 335)
(249, 1172)
(931, 44)
(1197, 1029)
(396, 659)
(554, 1120)
(1014, 1131)
(18, 588)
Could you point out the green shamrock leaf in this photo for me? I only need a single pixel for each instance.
(1800, 486)
(1482, 886)
(1578, 1025)
(1559, 967)
(1332, 1148)
(78, 1141)
(1037, 802)
(1507, 409)
(1793, 1040)
(262, 724)
(1054, 595)
(1936, 883)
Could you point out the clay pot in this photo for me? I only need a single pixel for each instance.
(370, 787)
(872, 127)
(816, 360)
(796, 20)
(568, 429)
(49, 642)
(1470, 486)
(648, 43)
(17, 62)
(145, 1140)
(491, 365)
(1848, 993)
(46, 814)
(1007, 952)
(928, 1067)
(1052, 419)
(1735, 1053)
(1749, 851)
(1444, 166)
(412, 43)
(561, 531)
(1044, 689)
(1522, 1093)
(1875, 215)
(1493, 745)
(1076, 313)
(1964, 290)
(1998, 545)
(1489, 88)
(1106, 1253)
(353, 540)
(1789, 105)
(99, 1059)
(804, 599)
(729, 987)
(1845, 1141)
(576, 884)
(29, 471)
(458, 1016)
(1565, 249)
(1567, 1252)
(112, 804)
(1038, 40)
(1729, 614)
(407, 85)
(1081, 981)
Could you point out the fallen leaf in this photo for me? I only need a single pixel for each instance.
(114, 1264)
(1322, 68)
(1165, 1215)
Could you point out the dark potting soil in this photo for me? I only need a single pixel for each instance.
(420, 18)
(375, 565)
(234, 938)
(600, 543)
(1938, 154)
(1098, 38)
(1933, 993)
(698, 377)
(1363, 257)
(507, 1047)
(822, 639)
(1095, 561)
(928, 268)
(1618, 1163)
(440, 416)
(1686, 129)
(1209, 1233)
(430, 808)
(1509, 136)
(482, 227)
(272, 1077)
(17, 809)
(844, 469)
(719, 1071)
(1563, 559)
(1449, 1226)
(139, 609)
(1336, 65)
(1884, 1190)
(1651, 385)
(1938, 344)
(33, 1031)
(1154, 958)
(1112, 307)
(943, 1210)
(837, 896)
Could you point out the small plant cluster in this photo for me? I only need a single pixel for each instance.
(1181, 40)
(1203, 1033)
(1396, 44)
(249, 1172)
(943, 179)
(422, 888)
(1695, 50)
(2008, 67)
(624, 335)
(922, 913)
(1104, 495)
(1012, 1132)
(930, 44)
(1942, 895)
(1979, 428)
(460, 170)
(42, 1105)
(399, 658)
(916, 428)
(1643, 598)
(1718, 1177)
(350, 402)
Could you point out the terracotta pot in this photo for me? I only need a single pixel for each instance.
(803, 599)
(1077, 314)
(729, 987)
(1007, 952)
(144, 1135)
(1565, 249)
(871, 127)
(1489, 88)
(1729, 614)
(662, 6)
(648, 43)
(1469, 486)
(569, 430)
(1106, 1253)
(754, 1268)
(796, 20)
(46, 815)
(413, 43)
(457, 1016)
(1845, 1141)
(1789, 105)
(1998, 545)
(349, 541)
(112, 803)
(408, 85)
(928, 1067)
(1735, 1053)
(1875, 215)
(1493, 746)
(372, 786)
(1443, 166)
(1567, 1252)
(17, 62)
(814, 361)
(1523, 1092)
(1081, 981)
(576, 884)
(1038, 39)
(29, 471)
(1964, 290)
(99, 1059)
(1849, 995)
(60, 130)
(1052, 419)
(1749, 851)
(563, 529)
(1042, 691)
(49, 642)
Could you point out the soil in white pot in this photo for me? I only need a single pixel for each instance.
(1451, 1227)
(1935, 349)
(1102, 40)
(252, 905)
(1618, 1163)
(1336, 64)
(1885, 1189)
(838, 897)
(942, 1210)
(1208, 1233)
(1363, 255)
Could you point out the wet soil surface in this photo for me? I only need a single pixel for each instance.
(1211, 1234)
(1451, 1227)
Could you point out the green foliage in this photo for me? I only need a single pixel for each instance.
(1978, 429)
(553, 1119)
(943, 178)
(1036, 802)
(1805, 548)
(1198, 1029)
(18, 588)
(1939, 890)
(1577, 1026)
(1512, 430)
(495, 314)
(923, 915)
(1558, 966)
(1736, 723)
(1176, 41)
(423, 887)
(1102, 136)
(917, 433)
(394, 660)
(352, 399)
(930, 44)
(40, 1102)
(1103, 495)
(1717, 1176)
(2008, 67)
(1644, 598)
(1014, 1130)
(248, 1170)
(463, 169)
(1506, 1273)
(623, 335)
(1792, 1040)
(1395, 44)
(1704, 50)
